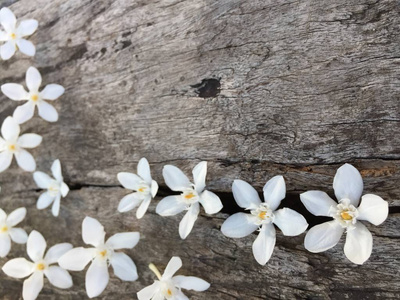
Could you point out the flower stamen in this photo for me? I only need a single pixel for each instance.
(4, 228)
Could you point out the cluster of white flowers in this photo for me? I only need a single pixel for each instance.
(262, 216)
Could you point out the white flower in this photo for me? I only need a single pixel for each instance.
(13, 36)
(7, 230)
(146, 189)
(168, 287)
(192, 195)
(41, 265)
(56, 188)
(101, 256)
(35, 98)
(13, 144)
(263, 216)
(348, 187)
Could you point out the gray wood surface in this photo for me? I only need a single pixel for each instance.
(256, 88)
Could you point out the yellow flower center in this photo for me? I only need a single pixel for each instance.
(141, 190)
(103, 253)
(346, 216)
(40, 267)
(34, 98)
(4, 229)
(169, 292)
(13, 36)
(12, 147)
(263, 215)
(189, 196)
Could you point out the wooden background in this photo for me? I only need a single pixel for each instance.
(257, 88)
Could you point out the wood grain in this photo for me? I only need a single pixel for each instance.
(256, 88)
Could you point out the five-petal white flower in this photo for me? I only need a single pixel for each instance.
(97, 276)
(13, 36)
(56, 188)
(35, 98)
(168, 287)
(146, 189)
(263, 216)
(13, 144)
(7, 230)
(192, 195)
(348, 187)
(41, 265)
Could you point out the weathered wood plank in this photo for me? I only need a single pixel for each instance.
(283, 87)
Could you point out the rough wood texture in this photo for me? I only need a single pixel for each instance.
(257, 88)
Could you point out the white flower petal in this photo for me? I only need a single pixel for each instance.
(29, 140)
(5, 244)
(186, 224)
(18, 235)
(45, 199)
(191, 283)
(42, 180)
(16, 217)
(373, 209)
(264, 244)
(26, 47)
(92, 232)
(170, 206)
(3, 36)
(55, 209)
(290, 222)
(64, 189)
(274, 191)
(175, 179)
(123, 266)
(143, 170)
(211, 202)
(25, 160)
(129, 181)
(47, 111)
(348, 184)
(24, 112)
(318, 203)
(148, 292)
(154, 188)
(7, 50)
(76, 259)
(14, 91)
(27, 27)
(174, 265)
(143, 207)
(10, 129)
(199, 176)
(129, 202)
(181, 296)
(32, 286)
(323, 237)
(58, 277)
(123, 240)
(52, 92)
(55, 252)
(5, 160)
(56, 170)
(33, 79)
(18, 268)
(239, 225)
(8, 19)
(245, 195)
(97, 278)
(36, 245)
(358, 246)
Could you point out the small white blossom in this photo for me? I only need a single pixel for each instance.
(192, 196)
(348, 187)
(263, 216)
(169, 286)
(12, 144)
(56, 188)
(101, 256)
(42, 265)
(13, 35)
(35, 98)
(8, 232)
(146, 189)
